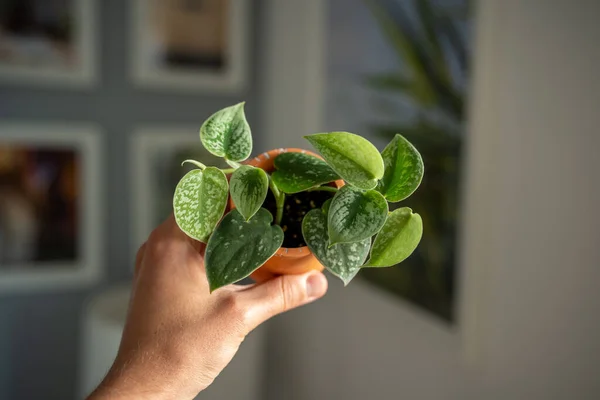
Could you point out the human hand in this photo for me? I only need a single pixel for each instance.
(178, 337)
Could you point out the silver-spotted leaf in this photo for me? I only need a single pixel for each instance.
(239, 247)
(199, 202)
(353, 157)
(398, 238)
(356, 214)
(296, 172)
(403, 170)
(227, 134)
(249, 186)
(344, 259)
(233, 164)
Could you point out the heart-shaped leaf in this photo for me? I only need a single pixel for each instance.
(249, 186)
(354, 158)
(199, 202)
(397, 239)
(239, 247)
(356, 214)
(297, 172)
(403, 170)
(344, 259)
(227, 134)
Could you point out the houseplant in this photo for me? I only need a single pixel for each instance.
(324, 210)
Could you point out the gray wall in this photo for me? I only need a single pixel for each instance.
(39, 333)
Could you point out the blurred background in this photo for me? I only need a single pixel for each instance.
(101, 100)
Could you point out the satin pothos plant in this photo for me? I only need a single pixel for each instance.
(347, 226)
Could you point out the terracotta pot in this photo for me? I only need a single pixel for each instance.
(286, 260)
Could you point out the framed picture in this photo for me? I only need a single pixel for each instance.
(418, 89)
(190, 44)
(50, 210)
(156, 155)
(48, 42)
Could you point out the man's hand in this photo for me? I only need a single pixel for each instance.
(178, 337)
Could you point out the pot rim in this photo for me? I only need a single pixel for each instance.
(265, 161)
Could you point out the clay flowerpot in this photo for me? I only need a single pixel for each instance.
(286, 260)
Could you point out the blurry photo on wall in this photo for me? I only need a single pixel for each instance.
(39, 205)
(403, 67)
(47, 40)
(189, 43)
(189, 34)
(51, 210)
(157, 153)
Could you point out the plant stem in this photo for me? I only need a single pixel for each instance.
(279, 200)
(323, 189)
(196, 163)
(228, 170)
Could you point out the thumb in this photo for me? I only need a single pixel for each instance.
(281, 294)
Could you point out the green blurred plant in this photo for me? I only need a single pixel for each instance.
(433, 54)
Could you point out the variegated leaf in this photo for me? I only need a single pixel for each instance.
(344, 259)
(356, 214)
(227, 134)
(199, 202)
(353, 157)
(249, 186)
(398, 238)
(403, 170)
(297, 172)
(239, 247)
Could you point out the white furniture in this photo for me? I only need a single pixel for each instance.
(103, 320)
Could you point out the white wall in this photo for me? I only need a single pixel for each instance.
(530, 318)
(543, 305)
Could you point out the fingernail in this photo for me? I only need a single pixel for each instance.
(316, 285)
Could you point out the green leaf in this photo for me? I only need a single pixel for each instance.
(355, 215)
(407, 46)
(199, 202)
(390, 82)
(233, 164)
(249, 186)
(227, 134)
(403, 170)
(239, 247)
(344, 259)
(397, 239)
(353, 157)
(431, 41)
(297, 172)
(326, 205)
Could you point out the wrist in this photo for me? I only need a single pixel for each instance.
(115, 389)
(130, 383)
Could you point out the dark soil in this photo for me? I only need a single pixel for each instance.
(295, 208)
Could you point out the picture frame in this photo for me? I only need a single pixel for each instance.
(156, 154)
(58, 167)
(64, 55)
(290, 119)
(192, 45)
(367, 98)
